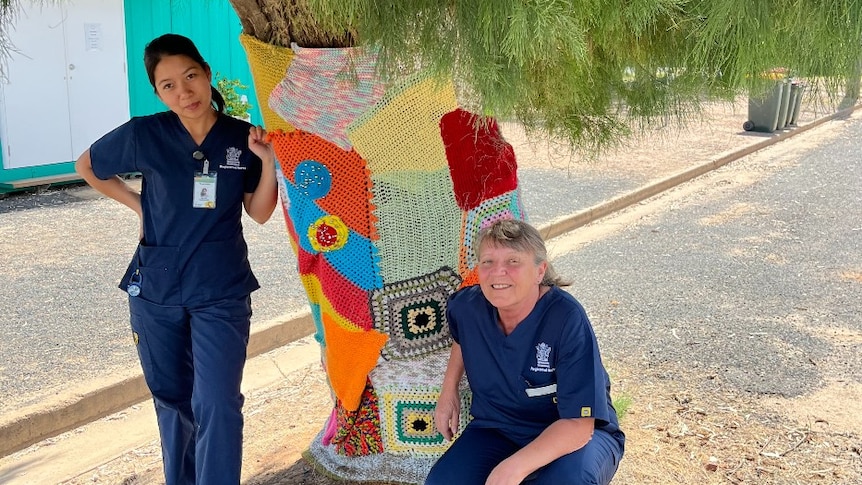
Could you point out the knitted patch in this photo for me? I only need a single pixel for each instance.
(285, 205)
(407, 418)
(402, 132)
(353, 255)
(268, 64)
(324, 90)
(328, 234)
(331, 426)
(350, 356)
(471, 277)
(335, 307)
(329, 288)
(317, 318)
(336, 180)
(358, 431)
(378, 468)
(406, 374)
(418, 222)
(481, 163)
(505, 206)
(413, 314)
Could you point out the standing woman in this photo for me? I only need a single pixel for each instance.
(189, 281)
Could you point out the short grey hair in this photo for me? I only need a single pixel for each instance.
(520, 236)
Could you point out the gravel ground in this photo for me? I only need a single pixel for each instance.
(757, 286)
(63, 323)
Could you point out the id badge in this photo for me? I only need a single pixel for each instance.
(204, 193)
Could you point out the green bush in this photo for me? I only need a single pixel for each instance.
(235, 103)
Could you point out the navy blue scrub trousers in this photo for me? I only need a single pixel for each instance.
(475, 453)
(193, 358)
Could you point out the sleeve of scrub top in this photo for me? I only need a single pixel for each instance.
(252, 174)
(115, 153)
(450, 319)
(581, 385)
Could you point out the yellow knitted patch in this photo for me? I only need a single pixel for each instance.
(402, 132)
(268, 64)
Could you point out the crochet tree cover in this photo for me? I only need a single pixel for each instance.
(383, 187)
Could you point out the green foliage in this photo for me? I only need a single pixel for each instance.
(622, 403)
(234, 103)
(588, 69)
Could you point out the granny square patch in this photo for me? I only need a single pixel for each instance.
(407, 420)
(413, 314)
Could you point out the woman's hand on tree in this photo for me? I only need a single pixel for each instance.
(447, 415)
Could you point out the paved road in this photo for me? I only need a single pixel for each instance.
(752, 273)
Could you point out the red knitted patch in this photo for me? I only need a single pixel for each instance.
(349, 300)
(481, 163)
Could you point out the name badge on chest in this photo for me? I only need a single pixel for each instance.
(204, 191)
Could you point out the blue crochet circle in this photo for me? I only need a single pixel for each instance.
(312, 178)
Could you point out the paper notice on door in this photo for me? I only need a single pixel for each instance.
(92, 37)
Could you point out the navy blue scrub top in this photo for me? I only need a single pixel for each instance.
(189, 255)
(548, 368)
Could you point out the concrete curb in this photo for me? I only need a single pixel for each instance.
(51, 419)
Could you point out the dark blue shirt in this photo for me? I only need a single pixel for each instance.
(188, 255)
(548, 368)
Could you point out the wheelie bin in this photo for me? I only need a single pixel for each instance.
(763, 110)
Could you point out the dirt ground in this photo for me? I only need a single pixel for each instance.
(678, 432)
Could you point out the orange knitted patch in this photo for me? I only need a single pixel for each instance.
(470, 278)
(347, 190)
(350, 356)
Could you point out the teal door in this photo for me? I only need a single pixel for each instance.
(212, 25)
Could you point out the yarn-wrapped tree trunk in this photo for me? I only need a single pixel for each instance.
(385, 179)
(384, 184)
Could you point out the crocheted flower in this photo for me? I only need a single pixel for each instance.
(328, 233)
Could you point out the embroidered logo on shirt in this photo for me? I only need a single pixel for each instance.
(232, 159)
(543, 359)
(586, 412)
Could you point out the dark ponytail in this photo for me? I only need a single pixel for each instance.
(177, 45)
(218, 100)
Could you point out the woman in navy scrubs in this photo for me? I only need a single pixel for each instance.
(189, 281)
(541, 405)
